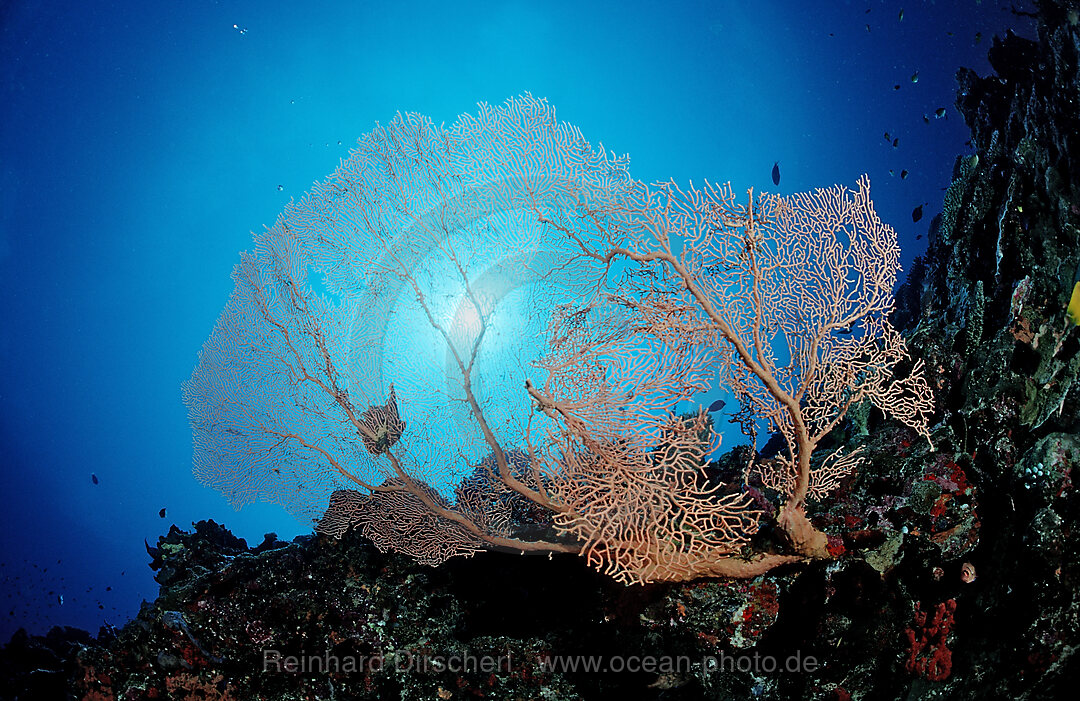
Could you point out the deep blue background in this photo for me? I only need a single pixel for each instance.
(141, 142)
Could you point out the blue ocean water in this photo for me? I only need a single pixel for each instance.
(141, 143)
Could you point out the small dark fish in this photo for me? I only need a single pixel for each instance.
(717, 405)
(93, 478)
(868, 29)
(161, 513)
(887, 137)
(918, 237)
(915, 77)
(776, 173)
(978, 37)
(895, 143)
(903, 175)
(892, 172)
(926, 119)
(867, 11)
(916, 214)
(845, 332)
(901, 19)
(60, 599)
(280, 188)
(896, 87)
(939, 113)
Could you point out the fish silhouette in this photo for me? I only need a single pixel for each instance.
(776, 173)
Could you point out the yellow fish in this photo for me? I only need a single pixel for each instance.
(1073, 310)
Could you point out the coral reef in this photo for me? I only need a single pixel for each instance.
(954, 572)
